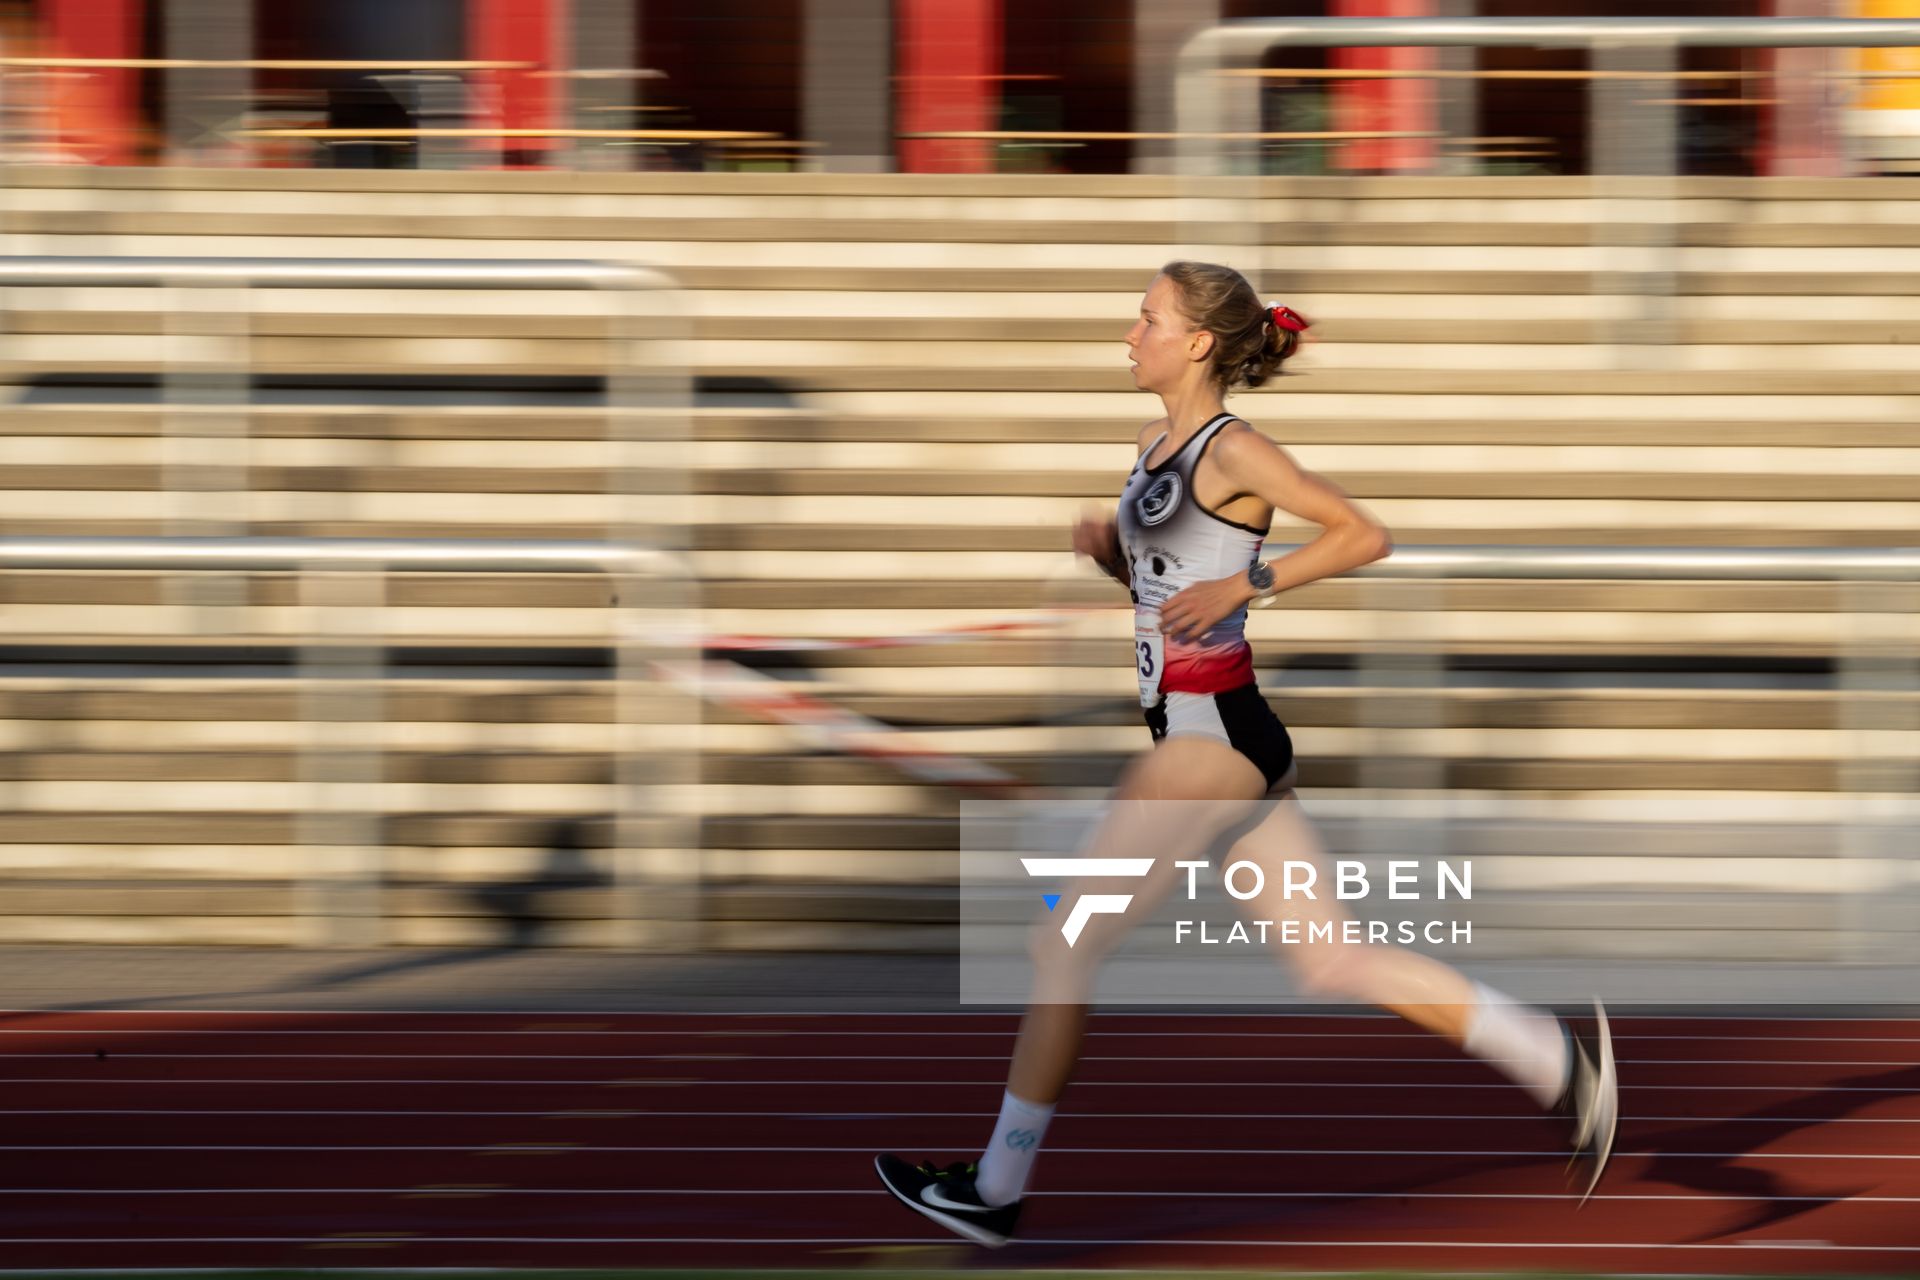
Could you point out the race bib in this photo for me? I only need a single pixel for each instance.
(1149, 655)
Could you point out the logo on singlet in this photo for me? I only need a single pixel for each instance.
(1160, 500)
(1156, 561)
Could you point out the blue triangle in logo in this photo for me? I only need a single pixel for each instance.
(1051, 899)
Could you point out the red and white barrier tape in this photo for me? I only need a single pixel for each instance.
(827, 725)
(836, 728)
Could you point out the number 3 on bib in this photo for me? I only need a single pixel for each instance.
(1149, 653)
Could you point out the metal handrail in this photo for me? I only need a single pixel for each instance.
(638, 787)
(334, 273)
(436, 555)
(260, 64)
(415, 555)
(1681, 564)
(1430, 563)
(1876, 677)
(1198, 111)
(1254, 35)
(1667, 564)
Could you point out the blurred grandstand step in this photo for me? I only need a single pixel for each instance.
(1881, 483)
(49, 411)
(1508, 621)
(802, 916)
(767, 221)
(536, 337)
(773, 847)
(834, 365)
(49, 708)
(945, 586)
(557, 783)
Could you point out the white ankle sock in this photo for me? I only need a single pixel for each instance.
(1008, 1159)
(1527, 1046)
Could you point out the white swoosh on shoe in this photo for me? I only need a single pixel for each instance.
(939, 1210)
(933, 1195)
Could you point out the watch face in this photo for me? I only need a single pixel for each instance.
(1260, 575)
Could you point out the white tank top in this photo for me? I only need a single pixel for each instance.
(1172, 542)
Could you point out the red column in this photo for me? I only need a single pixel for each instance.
(949, 61)
(97, 110)
(1799, 131)
(521, 31)
(1384, 105)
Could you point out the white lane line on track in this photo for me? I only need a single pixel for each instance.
(1410, 1035)
(763, 1193)
(1802, 1246)
(570, 1148)
(1012, 1015)
(616, 1113)
(913, 1057)
(1001, 1083)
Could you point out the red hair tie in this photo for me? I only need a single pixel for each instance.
(1287, 318)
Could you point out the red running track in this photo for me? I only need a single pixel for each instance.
(1296, 1142)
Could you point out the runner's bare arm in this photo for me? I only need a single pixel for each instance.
(1349, 536)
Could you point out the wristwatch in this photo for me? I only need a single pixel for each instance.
(1260, 578)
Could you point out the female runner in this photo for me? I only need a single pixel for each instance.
(1186, 542)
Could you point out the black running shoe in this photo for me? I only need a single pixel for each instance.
(1592, 1100)
(947, 1196)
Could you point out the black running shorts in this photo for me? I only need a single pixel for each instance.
(1239, 717)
